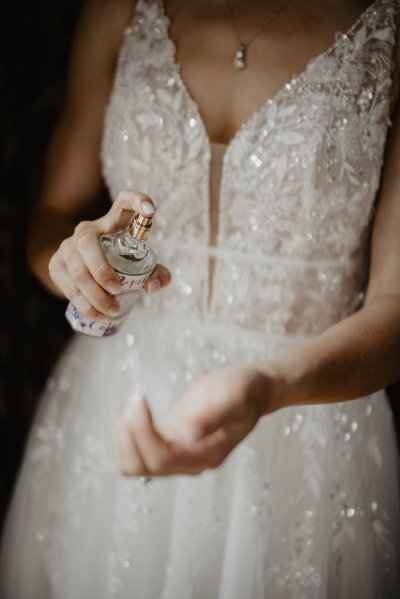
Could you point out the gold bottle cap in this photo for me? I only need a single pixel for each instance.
(140, 226)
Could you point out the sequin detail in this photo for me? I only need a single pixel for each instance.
(309, 499)
(298, 186)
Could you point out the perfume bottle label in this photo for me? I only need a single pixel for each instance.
(131, 285)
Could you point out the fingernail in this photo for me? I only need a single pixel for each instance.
(114, 311)
(147, 208)
(114, 286)
(154, 285)
(134, 402)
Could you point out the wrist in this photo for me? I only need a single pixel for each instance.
(287, 382)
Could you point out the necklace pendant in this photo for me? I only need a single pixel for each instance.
(240, 58)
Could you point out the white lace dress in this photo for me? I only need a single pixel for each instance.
(307, 506)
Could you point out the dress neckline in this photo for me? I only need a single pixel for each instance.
(288, 87)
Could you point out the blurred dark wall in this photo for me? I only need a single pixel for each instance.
(393, 394)
(35, 41)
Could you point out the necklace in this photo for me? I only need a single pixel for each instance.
(240, 56)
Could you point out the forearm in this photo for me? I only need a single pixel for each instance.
(353, 358)
(48, 228)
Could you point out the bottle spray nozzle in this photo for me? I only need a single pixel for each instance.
(140, 226)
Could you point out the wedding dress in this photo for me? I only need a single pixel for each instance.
(307, 506)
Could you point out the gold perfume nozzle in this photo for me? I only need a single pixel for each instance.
(140, 226)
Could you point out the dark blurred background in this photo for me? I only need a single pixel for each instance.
(35, 40)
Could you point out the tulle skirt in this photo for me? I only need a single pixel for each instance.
(307, 506)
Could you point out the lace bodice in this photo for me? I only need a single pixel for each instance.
(298, 183)
(266, 246)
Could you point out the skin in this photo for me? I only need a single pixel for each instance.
(355, 357)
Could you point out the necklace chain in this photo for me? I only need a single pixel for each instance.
(240, 55)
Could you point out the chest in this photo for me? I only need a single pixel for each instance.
(206, 41)
(298, 181)
(301, 169)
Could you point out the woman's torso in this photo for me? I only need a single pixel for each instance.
(285, 250)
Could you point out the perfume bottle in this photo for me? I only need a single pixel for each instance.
(129, 255)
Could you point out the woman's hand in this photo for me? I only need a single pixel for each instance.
(80, 270)
(207, 422)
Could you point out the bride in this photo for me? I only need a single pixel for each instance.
(242, 401)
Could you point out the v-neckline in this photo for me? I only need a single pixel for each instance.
(287, 87)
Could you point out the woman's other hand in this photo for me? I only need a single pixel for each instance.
(204, 426)
(80, 270)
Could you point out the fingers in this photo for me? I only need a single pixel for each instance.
(87, 235)
(143, 450)
(126, 203)
(62, 279)
(72, 276)
(86, 244)
(155, 451)
(204, 408)
(96, 297)
(128, 459)
(159, 278)
(207, 422)
(139, 449)
(80, 269)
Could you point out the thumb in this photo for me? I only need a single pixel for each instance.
(126, 204)
(160, 277)
(207, 421)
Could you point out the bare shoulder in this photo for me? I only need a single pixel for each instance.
(112, 14)
(103, 23)
(73, 177)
